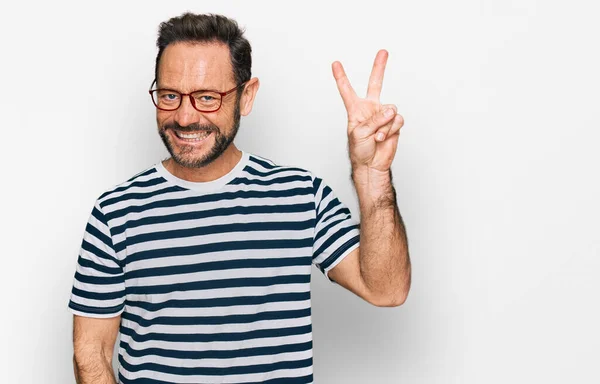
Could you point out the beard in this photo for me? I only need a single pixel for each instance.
(184, 154)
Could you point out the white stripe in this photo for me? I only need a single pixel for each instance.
(93, 272)
(218, 345)
(211, 329)
(97, 260)
(219, 363)
(220, 311)
(236, 254)
(221, 293)
(98, 288)
(195, 379)
(284, 173)
(100, 304)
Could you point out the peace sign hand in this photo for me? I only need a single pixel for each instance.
(373, 128)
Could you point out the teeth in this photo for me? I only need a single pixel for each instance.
(193, 136)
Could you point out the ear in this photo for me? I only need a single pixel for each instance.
(248, 95)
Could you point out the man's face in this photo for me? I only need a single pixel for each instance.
(194, 139)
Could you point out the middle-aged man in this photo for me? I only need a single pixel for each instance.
(203, 261)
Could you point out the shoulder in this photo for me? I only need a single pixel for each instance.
(260, 166)
(142, 182)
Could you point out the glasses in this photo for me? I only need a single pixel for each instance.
(202, 100)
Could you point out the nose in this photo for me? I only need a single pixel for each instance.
(186, 114)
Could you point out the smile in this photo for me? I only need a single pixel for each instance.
(192, 136)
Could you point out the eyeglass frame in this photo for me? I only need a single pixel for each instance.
(222, 94)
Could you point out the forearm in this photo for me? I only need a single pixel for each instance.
(93, 369)
(384, 258)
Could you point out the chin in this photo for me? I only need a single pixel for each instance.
(194, 157)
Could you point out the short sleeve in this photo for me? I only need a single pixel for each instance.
(98, 286)
(336, 232)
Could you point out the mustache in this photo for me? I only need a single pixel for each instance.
(191, 127)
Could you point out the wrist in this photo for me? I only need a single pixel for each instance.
(371, 178)
(374, 189)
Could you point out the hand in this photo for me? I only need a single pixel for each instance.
(373, 128)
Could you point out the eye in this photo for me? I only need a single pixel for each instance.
(170, 96)
(206, 98)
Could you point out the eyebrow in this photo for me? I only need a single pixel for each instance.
(177, 90)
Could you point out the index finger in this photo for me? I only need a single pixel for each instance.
(343, 84)
(376, 79)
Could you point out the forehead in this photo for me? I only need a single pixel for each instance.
(190, 66)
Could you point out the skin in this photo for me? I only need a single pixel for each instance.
(93, 343)
(189, 67)
(379, 270)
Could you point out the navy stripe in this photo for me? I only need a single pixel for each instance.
(217, 320)
(98, 215)
(333, 238)
(103, 296)
(334, 256)
(263, 163)
(341, 211)
(95, 310)
(201, 214)
(98, 280)
(219, 266)
(277, 180)
(140, 195)
(216, 284)
(208, 337)
(213, 371)
(316, 185)
(220, 302)
(99, 235)
(256, 172)
(221, 228)
(293, 192)
(98, 267)
(143, 173)
(322, 232)
(332, 204)
(217, 354)
(219, 247)
(91, 248)
(140, 184)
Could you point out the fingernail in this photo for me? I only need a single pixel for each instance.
(380, 136)
(388, 112)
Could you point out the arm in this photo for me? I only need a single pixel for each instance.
(93, 343)
(379, 270)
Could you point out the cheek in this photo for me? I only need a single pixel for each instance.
(163, 118)
(224, 117)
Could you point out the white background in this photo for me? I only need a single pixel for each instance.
(496, 172)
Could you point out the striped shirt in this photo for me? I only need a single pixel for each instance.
(212, 279)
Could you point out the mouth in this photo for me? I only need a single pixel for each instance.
(192, 137)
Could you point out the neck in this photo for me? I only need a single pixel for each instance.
(218, 168)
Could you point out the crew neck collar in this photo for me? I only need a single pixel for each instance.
(204, 185)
